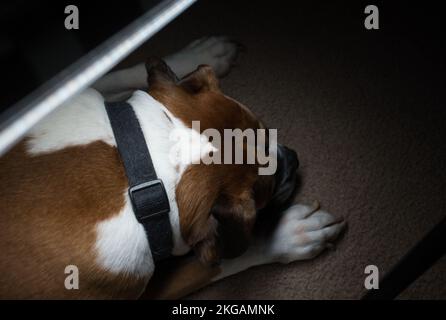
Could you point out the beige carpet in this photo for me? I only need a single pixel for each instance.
(364, 109)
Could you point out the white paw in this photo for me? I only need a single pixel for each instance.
(303, 232)
(217, 52)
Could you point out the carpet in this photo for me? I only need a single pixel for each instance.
(365, 111)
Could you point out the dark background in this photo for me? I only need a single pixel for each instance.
(365, 110)
(35, 44)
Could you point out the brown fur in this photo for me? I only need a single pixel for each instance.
(177, 277)
(217, 202)
(51, 203)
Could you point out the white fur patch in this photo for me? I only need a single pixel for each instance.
(189, 147)
(121, 244)
(302, 233)
(79, 121)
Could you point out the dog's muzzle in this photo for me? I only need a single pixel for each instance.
(285, 177)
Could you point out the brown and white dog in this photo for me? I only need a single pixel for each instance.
(64, 195)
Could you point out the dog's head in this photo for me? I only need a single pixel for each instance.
(218, 203)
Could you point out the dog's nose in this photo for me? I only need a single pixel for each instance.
(286, 177)
(291, 159)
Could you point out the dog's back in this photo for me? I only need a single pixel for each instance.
(52, 200)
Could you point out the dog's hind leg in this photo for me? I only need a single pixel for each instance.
(217, 52)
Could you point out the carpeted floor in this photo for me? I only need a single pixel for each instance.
(364, 109)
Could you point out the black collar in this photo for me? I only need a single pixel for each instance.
(146, 191)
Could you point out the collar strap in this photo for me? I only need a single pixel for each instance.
(147, 193)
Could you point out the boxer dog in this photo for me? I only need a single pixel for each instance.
(65, 210)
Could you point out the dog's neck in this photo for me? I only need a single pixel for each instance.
(157, 126)
(173, 146)
(83, 120)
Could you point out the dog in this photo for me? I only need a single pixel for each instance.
(64, 200)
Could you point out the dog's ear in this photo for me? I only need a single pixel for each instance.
(227, 231)
(159, 72)
(216, 214)
(203, 78)
(235, 215)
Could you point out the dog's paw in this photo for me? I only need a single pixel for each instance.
(217, 52)
(303, 232)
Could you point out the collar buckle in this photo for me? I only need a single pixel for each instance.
(149, 199)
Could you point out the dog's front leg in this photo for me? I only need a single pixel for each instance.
(217, 52)
(302, 233)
